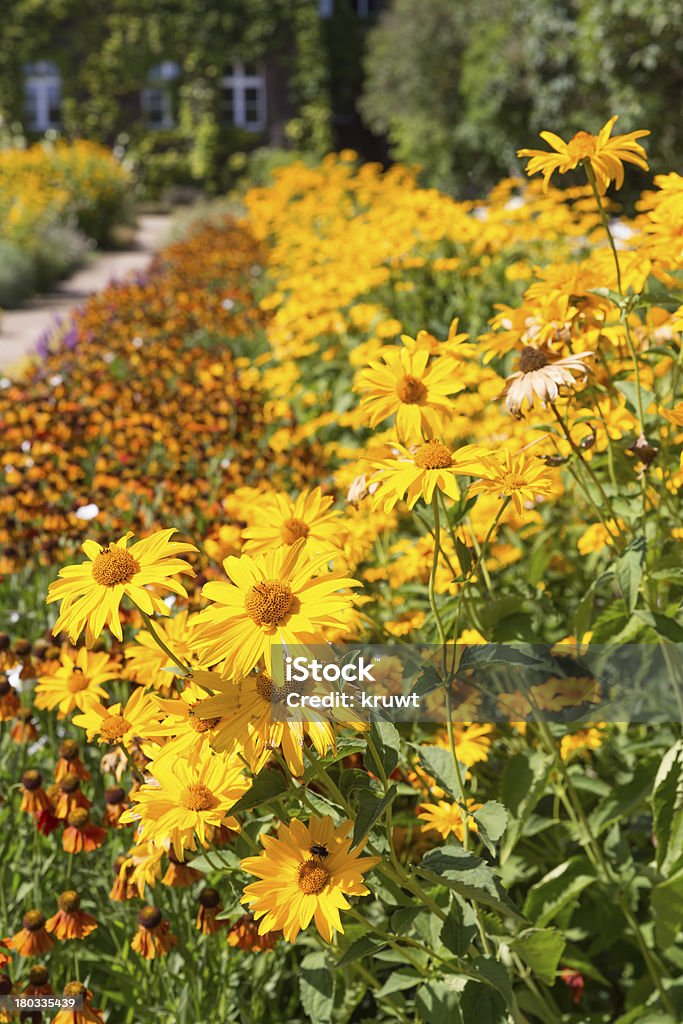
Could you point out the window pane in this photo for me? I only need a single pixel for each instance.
(54, 105)
(228, 104)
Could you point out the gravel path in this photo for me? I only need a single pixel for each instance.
(20, 329)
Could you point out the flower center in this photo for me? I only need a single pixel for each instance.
(33, 921)
(198, 797)
(268, 602)
(582, 145)
(74, 989)
(32, 779)
(433, 455)
(292, 529)
(411, 390)
(78, 818)
(150, 917)
(70, 783)
(513, 482)
(532, 359)
(313, 877)
(77, 681)
(114, 565)
(69, 750)
(269, 692)
(69, 901)
(114, 727)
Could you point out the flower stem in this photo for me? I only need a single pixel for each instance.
(185, 671)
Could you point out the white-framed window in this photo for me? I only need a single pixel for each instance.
(243, 96)
(157, 97)
(42, 96)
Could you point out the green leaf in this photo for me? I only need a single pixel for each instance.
(667, 808)
(398, 981)
(464, 556)
(524, 781)
(483, 1005)
(666, 903)
(438, 1002)
(628, 570)
(267, 785)
(491, 819)
(470, 876)
(387, 741)
(662, 624)
(438, 762)
(621, 801)
(629, 391)
(316, 988)
(460, 926)
(556, 890)
(364, 946)
(540, 949)
(369, 811)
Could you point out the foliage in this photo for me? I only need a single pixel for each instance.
(456, 86)
(524, 866)
(105, 55)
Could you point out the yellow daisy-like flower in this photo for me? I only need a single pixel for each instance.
(518, 477)
(278, 520)
(605, 155)
(181, 726)
(117, 725)
(251, 715)
(275, 598)
(675, 415)
(473, 741)
(92, 591)
(447, 819)
(147, 664)
(305, 874)
(416, 474)
(77, 681)
(403, 384)
(187, 798)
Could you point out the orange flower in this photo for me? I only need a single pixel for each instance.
(153, 937)
(244, 934)
(70, 761)
(32, 940)
(23, 730)
(86, 1015)
(34, 799)
(179, 874)
(115, 804)
(123, 889)
(209, 908)
(70, 922)
(9, 701)
(80, 834)
(38, 982)
(66, 796)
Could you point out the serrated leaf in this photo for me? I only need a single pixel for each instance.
(470, 876)
(491, 819)
(370, 810)
(267, 785)
(316, 988)
(459, 928)
(438, 1002)
(541, 950)
(556, 890)
(628, 571)
(366, 945)
(387, 741)
(438, 762)
(667, 808)
(666, 903)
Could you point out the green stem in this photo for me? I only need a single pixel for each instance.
(185, 671)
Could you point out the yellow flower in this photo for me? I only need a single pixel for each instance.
(404, 385)
(581, 742)
(115, 724)
(447, 819)
(472, 741)
(305, 873)
(416, 474)
(517, 477)
(147, 664)
(675, 415)
(92, 591)
(77, 681)
(251, 715)
(278, 521)
(181, 726)
(186, 798)
(605, 155)
(275, 598)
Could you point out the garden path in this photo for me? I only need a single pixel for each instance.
(20, 329)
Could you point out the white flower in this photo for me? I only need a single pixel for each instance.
(541, 376)
(87, 512)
